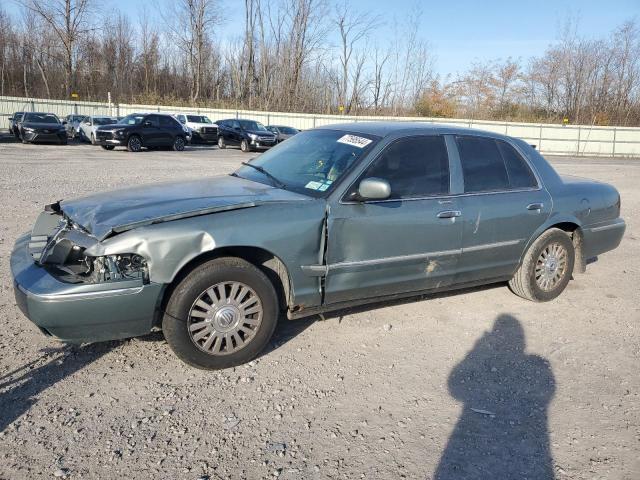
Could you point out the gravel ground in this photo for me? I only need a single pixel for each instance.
(479, 384)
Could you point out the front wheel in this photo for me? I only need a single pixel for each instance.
(93, 139)
(178, 144)
(546, 268)
(108, 147)
(221, 143)
(134, 144)
(244, 146)
(220, 315)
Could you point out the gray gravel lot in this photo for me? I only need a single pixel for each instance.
(479, 384)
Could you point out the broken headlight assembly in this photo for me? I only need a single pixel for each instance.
(64, 255)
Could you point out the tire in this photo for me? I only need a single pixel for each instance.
(178, 144)
(221, 143)
(183, 320)
(244, 146)
(93, 139)
(108, 147)
(134, 144)
(539, 278)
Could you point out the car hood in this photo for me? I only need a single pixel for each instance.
(47, 126)
(108, 213)
(199, 125)
(113, 126)
(262, 133)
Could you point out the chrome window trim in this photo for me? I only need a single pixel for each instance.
(448, 196)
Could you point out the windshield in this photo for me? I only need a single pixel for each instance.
(41, 118)
(103, 121)
(198, 119)
(312, 161)
(252, 125)
(75, 118)
(133, 119)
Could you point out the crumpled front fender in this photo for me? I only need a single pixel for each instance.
(166, 249)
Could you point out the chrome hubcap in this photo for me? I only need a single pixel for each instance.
(224, 318)
(551, 266)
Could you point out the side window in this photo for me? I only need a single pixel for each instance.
(153, 119)
(414, 167)
(482, 165)
(235, 124)
(168, 122)
(520, 175)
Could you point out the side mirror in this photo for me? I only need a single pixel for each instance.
(373, 188)
(147, 123)
(11, 119)
(64, 122)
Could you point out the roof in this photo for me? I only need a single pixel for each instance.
(383, 129)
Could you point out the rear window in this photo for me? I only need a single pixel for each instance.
(520, 175)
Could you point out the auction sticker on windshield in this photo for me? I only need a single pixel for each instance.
(354, 141)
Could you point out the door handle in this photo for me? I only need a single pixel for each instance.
(449, 214)
(535, 206)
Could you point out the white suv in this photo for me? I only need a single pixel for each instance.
(201, 128)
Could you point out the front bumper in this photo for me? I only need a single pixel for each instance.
(37, 136)
(80, 313)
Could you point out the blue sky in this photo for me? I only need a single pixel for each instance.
(460, 31)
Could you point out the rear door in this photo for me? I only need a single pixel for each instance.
(168, 130)
(152, 135)
(502, 206)
(409, 242)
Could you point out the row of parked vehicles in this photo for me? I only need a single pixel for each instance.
(147, 130)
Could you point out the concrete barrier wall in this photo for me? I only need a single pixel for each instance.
(550, 139)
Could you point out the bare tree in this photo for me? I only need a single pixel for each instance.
(69, 20)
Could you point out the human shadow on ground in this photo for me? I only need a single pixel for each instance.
(503, 429)
(20, 388)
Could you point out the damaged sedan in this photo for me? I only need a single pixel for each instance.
(334, 217)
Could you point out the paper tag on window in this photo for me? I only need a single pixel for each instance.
(313, 185)
(354, 141)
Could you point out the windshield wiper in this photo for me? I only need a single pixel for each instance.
(275, 181)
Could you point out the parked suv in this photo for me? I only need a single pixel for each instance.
(200, 127)
(249, 135)
(14, 120)
(140, 130)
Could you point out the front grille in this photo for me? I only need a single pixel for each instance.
(104, 135)
(267, 139)
(209, 130)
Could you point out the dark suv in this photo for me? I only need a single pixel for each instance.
(249, 135)
(138, 130)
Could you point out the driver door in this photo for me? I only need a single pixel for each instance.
(406, 243)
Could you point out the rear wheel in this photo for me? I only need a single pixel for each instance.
(546, 268)
(221, 143)
(220, 315)
(178, 144)
(134, 144)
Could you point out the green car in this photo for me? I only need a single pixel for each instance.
(334, 217)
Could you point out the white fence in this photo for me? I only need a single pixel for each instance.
(550, 139)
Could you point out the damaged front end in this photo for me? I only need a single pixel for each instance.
(59, 245)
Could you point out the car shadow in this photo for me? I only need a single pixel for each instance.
(503, 429)
(20, 388)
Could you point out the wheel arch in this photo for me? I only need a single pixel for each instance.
(269, 263)
(572, 227)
